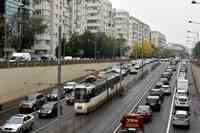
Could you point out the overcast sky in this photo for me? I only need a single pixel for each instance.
(167, 16)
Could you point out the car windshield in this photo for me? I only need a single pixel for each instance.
(15, 120)
(182, 99)
(80, 94)
(143, 109)
(180, 116)
(152, 100)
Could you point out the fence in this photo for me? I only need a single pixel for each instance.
(8, 64)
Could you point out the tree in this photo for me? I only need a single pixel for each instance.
(147, 49)
(136, 50)
(30, 27)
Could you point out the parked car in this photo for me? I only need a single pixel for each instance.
(48, 110)
(132, 123)
(166, 89)
(154, 102)
(32, 103)
(181, 118)
(18, 124)
(145, 111)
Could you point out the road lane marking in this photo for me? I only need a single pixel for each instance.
(172, 104)
(141, 98)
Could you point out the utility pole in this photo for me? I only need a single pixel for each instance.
(142, 48)
(59, 74)
(59, 79)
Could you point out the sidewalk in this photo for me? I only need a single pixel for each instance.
(18, 82)
(196, 75)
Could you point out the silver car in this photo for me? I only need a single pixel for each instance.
(181, 118)
(18, 123)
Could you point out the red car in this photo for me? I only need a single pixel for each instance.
(145, 112)
(132, 123)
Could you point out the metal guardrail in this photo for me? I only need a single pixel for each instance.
(8, 64)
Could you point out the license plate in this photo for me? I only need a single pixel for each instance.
(133, 125)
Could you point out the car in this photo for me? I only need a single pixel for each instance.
(145, 111)
(181, 92)
(165, 81)
(133, 70)
(18, 123)
(154, 102)
(182, 103)
(132, 123)
(48, 110)
(53, 96)
(181, 118)
(166, 75)
(166, 89)
(158, 84)
(157, 92)
(70, 98)
(137, 66)
(32, 103)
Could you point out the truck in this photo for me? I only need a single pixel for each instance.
(182, 84)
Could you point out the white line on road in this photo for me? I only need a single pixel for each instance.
(172, 105)
(117, 128)
(171, 110)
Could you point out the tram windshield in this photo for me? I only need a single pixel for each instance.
(81, 95)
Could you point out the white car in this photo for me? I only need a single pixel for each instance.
(182, 103)
(181, 92)
(181, 118)
(18, 123)
(166, 89)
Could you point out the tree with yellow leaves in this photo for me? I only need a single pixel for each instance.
(147, 49)
(136, 50)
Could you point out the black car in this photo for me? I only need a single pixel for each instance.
(48, 110)
(32, 103)
(157, 92)
(154, 102)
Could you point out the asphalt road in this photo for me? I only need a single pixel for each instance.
(84, 123)
(106, 118)
(195, 109)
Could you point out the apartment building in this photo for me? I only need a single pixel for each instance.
(121, 24)
(91, 15)
(55, 13)
(158, 39)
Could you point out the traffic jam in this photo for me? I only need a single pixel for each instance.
(134, 121)
(85, 95)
